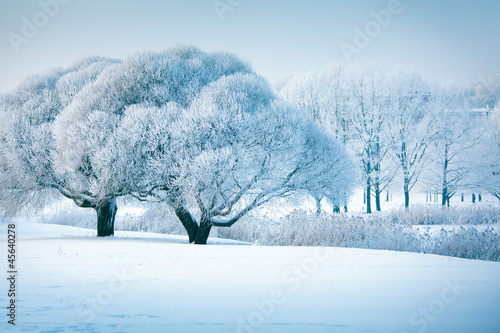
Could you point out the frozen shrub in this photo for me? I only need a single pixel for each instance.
(432, 215)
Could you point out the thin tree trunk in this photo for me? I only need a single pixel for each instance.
(445, 198)
(188, 222)
(106, 211)
(368, 197)
(318, 205)
(377, 196)
(406, 190)
(203, 230)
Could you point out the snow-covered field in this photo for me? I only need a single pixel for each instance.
(70, 280)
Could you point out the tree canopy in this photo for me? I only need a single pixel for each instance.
(199, 130)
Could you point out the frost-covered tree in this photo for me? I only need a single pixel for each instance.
(410, 127)
(353, 104)
(323, 96)
(26, 138)
(487, 92)
(457, 136)
(238, 147)
(106, 134)
(486, 157)
(369, 103)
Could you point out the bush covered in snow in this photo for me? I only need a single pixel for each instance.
(465, 232)
(381, 232)
(469, 243)
(433, 215)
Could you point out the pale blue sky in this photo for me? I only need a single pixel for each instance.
(444, 39)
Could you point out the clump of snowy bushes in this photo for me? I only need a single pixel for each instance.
(394, 231)
(469, 243)
(432, 215)
(387, 232)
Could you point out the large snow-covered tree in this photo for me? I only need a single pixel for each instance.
(239, 147)
(98, 148)
(27, 143)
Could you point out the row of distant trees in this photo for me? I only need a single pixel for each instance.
(399, 125)
(200, 131)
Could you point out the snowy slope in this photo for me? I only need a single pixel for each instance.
(137, 282)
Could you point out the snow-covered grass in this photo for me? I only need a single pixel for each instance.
(479, 214)
(71, 281)
(377, 231)
(465, 231)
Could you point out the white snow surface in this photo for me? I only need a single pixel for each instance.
(71, 281)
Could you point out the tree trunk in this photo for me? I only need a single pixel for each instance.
(336, 208)
(106, 211)
(188, 222)
(406, 190)
(377, 198)
(318, 205)
(368, 188)
(368, 198)
(444, 198)
(203, 230)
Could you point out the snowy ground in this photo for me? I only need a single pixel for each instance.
(70, 280)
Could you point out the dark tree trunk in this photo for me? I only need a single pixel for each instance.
(406, 190)
(106, 211)
(203, 230)
(368, 197)
(188, 222)
(318, 205)
(444, 198)
(345, 208)
(377, 199)
(336, 208)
